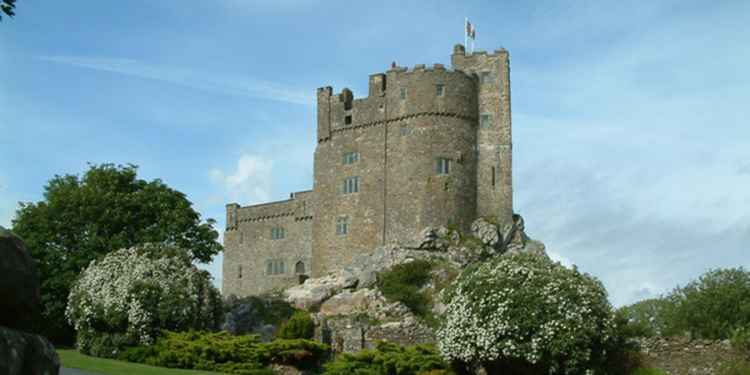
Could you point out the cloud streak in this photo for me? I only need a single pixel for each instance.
(244, 86)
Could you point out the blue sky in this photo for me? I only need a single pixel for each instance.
(630, 119)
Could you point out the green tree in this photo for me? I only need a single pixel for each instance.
(712, 307)
(7, 7)
(109, 208)
(647, 316)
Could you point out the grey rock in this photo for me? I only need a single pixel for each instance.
(19, 283)
(24, 353)
(487, 233)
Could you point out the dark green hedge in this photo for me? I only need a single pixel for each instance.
(223, 352)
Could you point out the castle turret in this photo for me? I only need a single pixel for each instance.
(494, 141)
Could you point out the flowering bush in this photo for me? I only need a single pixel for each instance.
(131, 294)
(525, 312)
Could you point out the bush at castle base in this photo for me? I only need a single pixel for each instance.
(127, 297)
(524, 312)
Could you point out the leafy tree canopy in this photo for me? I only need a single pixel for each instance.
(7, 6)
(108, 208)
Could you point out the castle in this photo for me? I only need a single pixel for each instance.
(427, 147)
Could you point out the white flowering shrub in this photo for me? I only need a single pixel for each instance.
(127, 297)
(525, 311)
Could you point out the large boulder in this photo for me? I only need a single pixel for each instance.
(19, 283)
(257, 315)
(26, 354)
(313, 292)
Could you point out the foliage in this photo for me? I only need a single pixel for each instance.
(82, 219)
(623, 351)
(525, 310)
(249, 314)
(735, 367)
(712, 307)
(403, 283)
(299, 326)
(647, 317)
(741, 341)
(224, 352)
(7, 7)
(131, 294)
(390, 359)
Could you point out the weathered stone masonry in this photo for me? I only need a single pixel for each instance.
(428, 146)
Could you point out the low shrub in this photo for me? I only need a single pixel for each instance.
(390, 359)
(741, 341)
(525, 310)
(224, 352)
(648, 371)
(299, 326)
(736, 367)
(403, 283)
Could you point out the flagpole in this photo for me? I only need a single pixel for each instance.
(466, 27)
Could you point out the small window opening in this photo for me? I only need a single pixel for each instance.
(342, 225)
(299, 268)
(439, 89)
(351, 185)
(275, 267)
(347, 120)
(351, 157)
(403, 93)
(239, 272)
(493, 176)
(485, 120)
(443, 166)
(278, 233)
(484, 77)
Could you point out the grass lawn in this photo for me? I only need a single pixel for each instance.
(74, 359)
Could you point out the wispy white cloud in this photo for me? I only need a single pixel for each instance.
(245, 86)
(249, 183)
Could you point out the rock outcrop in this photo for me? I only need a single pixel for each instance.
(19, 283)
(351, 314)
(24, 353)
(21, 353)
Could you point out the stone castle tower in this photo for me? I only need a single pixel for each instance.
(427, 147)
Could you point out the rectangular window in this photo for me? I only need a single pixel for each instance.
(351, 185)
(439, 89)
(239, 272)
(403, 93)
(275, 267)
(348, 120)
(484, 78)
(493, 176)
(485, 120)
(351, 157)
(342, 225)
(277, 233)
(443, 166)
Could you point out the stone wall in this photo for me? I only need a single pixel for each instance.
(494, 145)
(249, 246)
(683, 356)
(399, 133)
